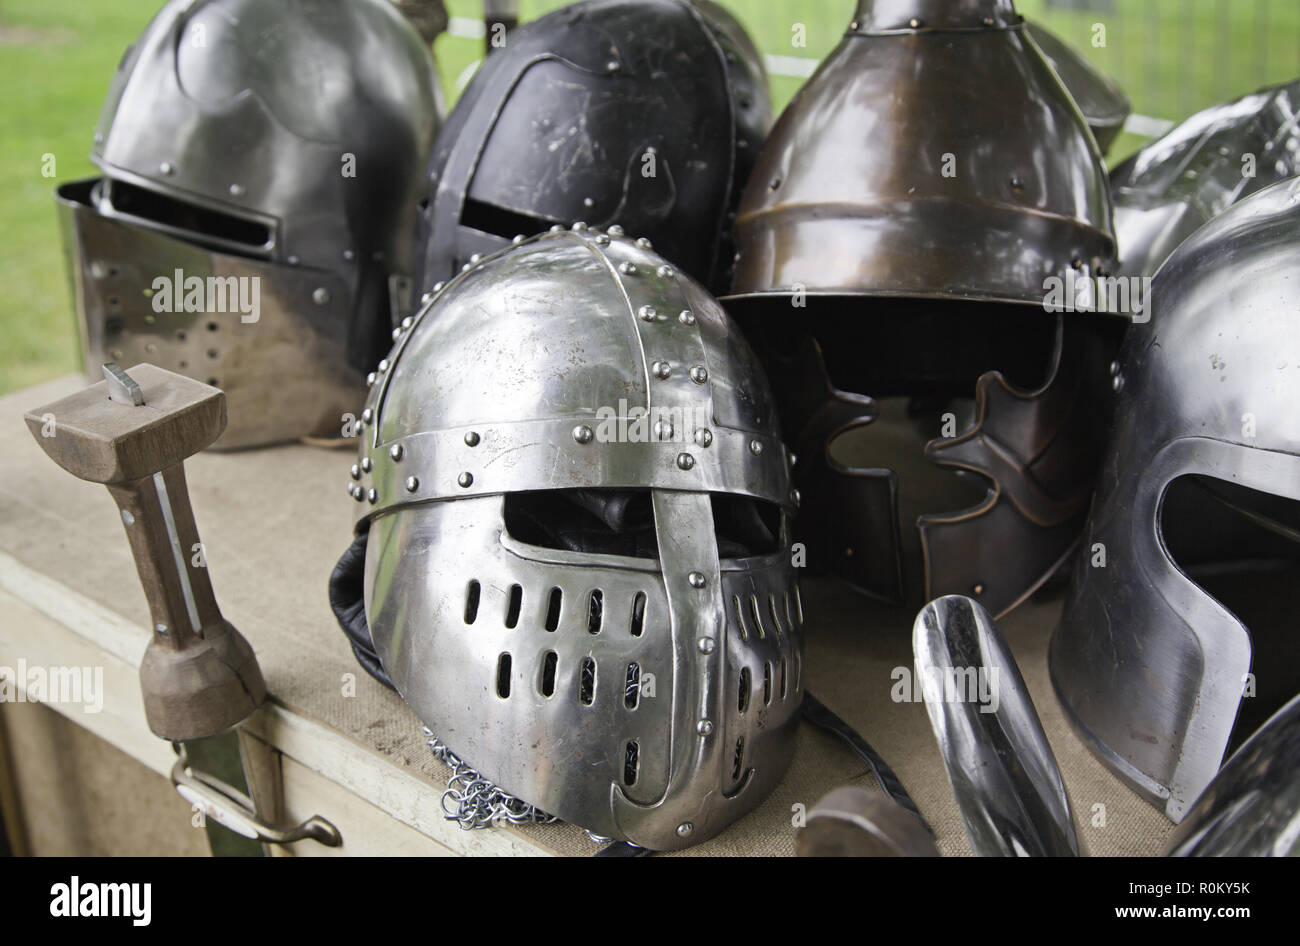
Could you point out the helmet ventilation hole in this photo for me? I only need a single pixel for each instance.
(638, 614)
(758, 617)
(553, 609)
(742, 699)
(798, 605)
(548, 673)
(740, 617)
(789, 616)
(587, 682)
(767, 683)
(782, 668)
(776, 620)
(737, 763)
(471, 602)
(514, 606)
(631, 761)
(632, 692)
(595, 611)
(798, 670)
(503, 676)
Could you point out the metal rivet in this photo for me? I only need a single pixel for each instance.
(396, 452)
(412, 484)
(663, 430)
(755, 447)
(988, 21)
(355, 471)
(466, 480)
(854, 25)
(476, 257)
(161, 629)
(1117, 382)
(661, 370)
(320, 295)
(704, 727)
(517, 239)
(588, 202)
(166, 168)
(292, 261)
(612, 65)
(1076, 263)
(665, 272)
(236, 190)
(1017, 182)
(372, 494)
(439, 286)
(465, 268)
(647, 313)
(916, 23)
(627, 269)
(696, 579)
(602, 240)
(579, 226)
(396, 334)
(367, 415)
(699, 374)
(383, 365)
(557, 228)
(644, 243)
(684, 829)
(471, 439)
(795, 496)
(349, 255)
(127, 518)
(615, 230)
(366, 465)
(685, 461)
(358, 494)
(978, 589)
(426, 298)
(704, 436)
(371, 379)
(707, 645)
(687, 317)
(582, 433)
(407, 322)
(793, 459)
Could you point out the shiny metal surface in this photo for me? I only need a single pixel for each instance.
(495, 389)
(853, 822)
(1101, 101)
(1201, 167)
(644, 113)
(1008, 785)
(284, 141)
(850, 194)
(1252, 808)
(1149, 666)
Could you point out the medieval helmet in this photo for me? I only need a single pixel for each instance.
(1201, 167)
(1154, 649)
(577, 571)
(579, 116)
(915, 200)
(262, 165)
(1101, 101)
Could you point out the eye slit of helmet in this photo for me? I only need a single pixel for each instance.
(1242, 547)
(742, 698)
(471, 602)
(638, 614)
(767, 683)
(631, 762)
(503, 676)
(621, 522)
(202, 224)
(514, 605)
(740, 617)
(738, 760)
(500, 221)
(595, 611)
(758, 617)
(553, 609)
(632, 692)
(587, 681)
(549, 663)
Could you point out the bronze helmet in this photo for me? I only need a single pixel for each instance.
(897, 239)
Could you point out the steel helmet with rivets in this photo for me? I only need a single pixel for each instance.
(648, 113)
(265, 162)
(577, 571)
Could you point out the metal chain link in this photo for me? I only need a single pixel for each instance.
(473, 802)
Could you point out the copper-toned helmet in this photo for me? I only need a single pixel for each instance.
(898, 239)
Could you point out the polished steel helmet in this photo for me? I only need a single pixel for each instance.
(577, 571)
(262, 166)
(1157, 643)
(646, 113)
(897, 240)
(1201, 167)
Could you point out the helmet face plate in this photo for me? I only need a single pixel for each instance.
(654, 698)
(1149, 665)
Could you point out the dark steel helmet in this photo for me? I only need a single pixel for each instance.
(644, 113)
(282, 143)
(1153, 650)
(897, 239)
(1198, 169)
(577, 565)
(1101, 101)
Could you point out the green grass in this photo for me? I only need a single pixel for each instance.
(1173, 57)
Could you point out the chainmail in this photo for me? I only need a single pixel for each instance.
(473, 802)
